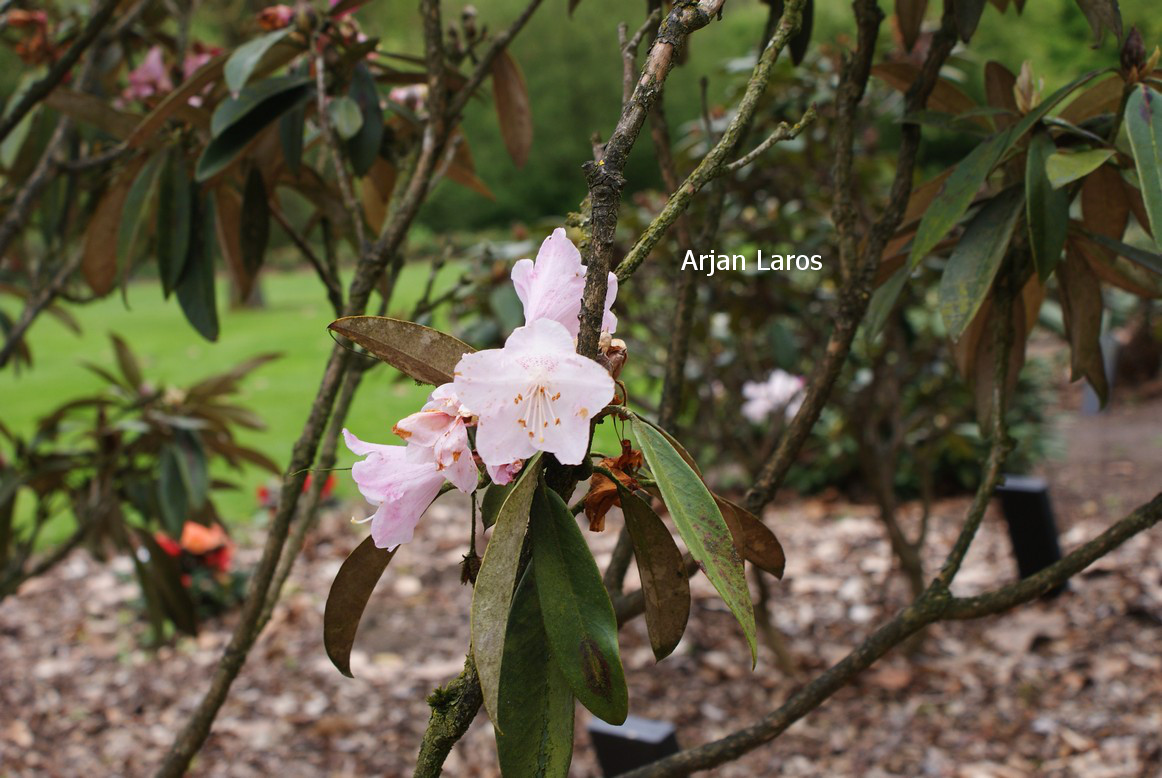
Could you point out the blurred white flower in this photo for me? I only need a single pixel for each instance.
(781, 392)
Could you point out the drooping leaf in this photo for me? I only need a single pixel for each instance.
(982, 360)
(195, 288)
(910, 16)
(1105, 96)
(973, 265)
(1063, 167)
(347, 599)
(93, 110)
(495, 581)
(363, 148)
(700, 523)
(462, 168)
(194, 470)
(1081, 310)
(802, 37)
(1146, 259)
(172, 491)
(239, 120)
(99, 260)
(345, 116)
(128, 364)
(1105, 206)
(967, 17)
(1102, 15)
(160, 578)
(534, 736)
(970, 174)
(577, 614)
(174, 220)
(255, 222)
(425, 354)
(246, 58)
(753, 539)
(663, 574)
(946, 97)
(1046, 207)
(998, 87)
(228, 228)
(136, 212)
(1114, 270)
(1144, 126)
(883, 301)
(512, 107)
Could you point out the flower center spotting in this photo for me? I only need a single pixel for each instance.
(537, 411)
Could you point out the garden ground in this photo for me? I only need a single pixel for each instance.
(1070, 687)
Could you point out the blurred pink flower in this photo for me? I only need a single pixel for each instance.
(781, 391)
(535, 394)
(552, 287)
(401, 481)
(275, 17)
(414, 97)
(150, 78)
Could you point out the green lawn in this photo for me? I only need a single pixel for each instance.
(294, 323)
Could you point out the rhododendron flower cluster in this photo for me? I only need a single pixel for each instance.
(780, 392)
(534, 394)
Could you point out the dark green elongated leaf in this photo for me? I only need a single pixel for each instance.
(161, 577)
(136, 211)
(172, 492)
(511, 97)
(247, 56)
(1081, 310)
(663, 572)
(967, 17)
(753, 539)
(195, 289)
(492, 595)
(1146, 259)
(347, 599)
(1144, 126)
(578, 616)
(127, 362)
(701, 525)
(237, 121)
(363, 148)
(535, 734)
(1062, 167)
(174, 206)
(1102, 15)
(194, 470)
(802, 38)
(290, 135)
(345, 116)
(425, 354)
(254, 223)
(494, 497)
(973, 264)
(970, 174)
(1047, 208)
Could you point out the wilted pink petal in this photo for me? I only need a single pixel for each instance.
(401, 481)
(552, 287)
(535, 394)
(503, 474)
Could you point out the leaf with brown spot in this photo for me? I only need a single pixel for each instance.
(347, 599)
(512, 107)
(578, 616)
(753, 539)
(665, 585)
(425, 354)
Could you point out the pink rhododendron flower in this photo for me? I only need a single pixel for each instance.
(198, 55)
(781, 390)
(150, 78)
(535, 394)
(401, 481)
(551, 287)
(440, 426)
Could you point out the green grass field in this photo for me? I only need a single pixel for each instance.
(293, 323)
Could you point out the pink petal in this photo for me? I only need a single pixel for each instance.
(503, 474)
(551, 288)
(424, 428)
(394, 522)
(362, 448)
(609, 320)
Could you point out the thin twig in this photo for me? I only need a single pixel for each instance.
(783, 132)
(334, 292)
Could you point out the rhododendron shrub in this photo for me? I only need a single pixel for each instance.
(512, 421)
